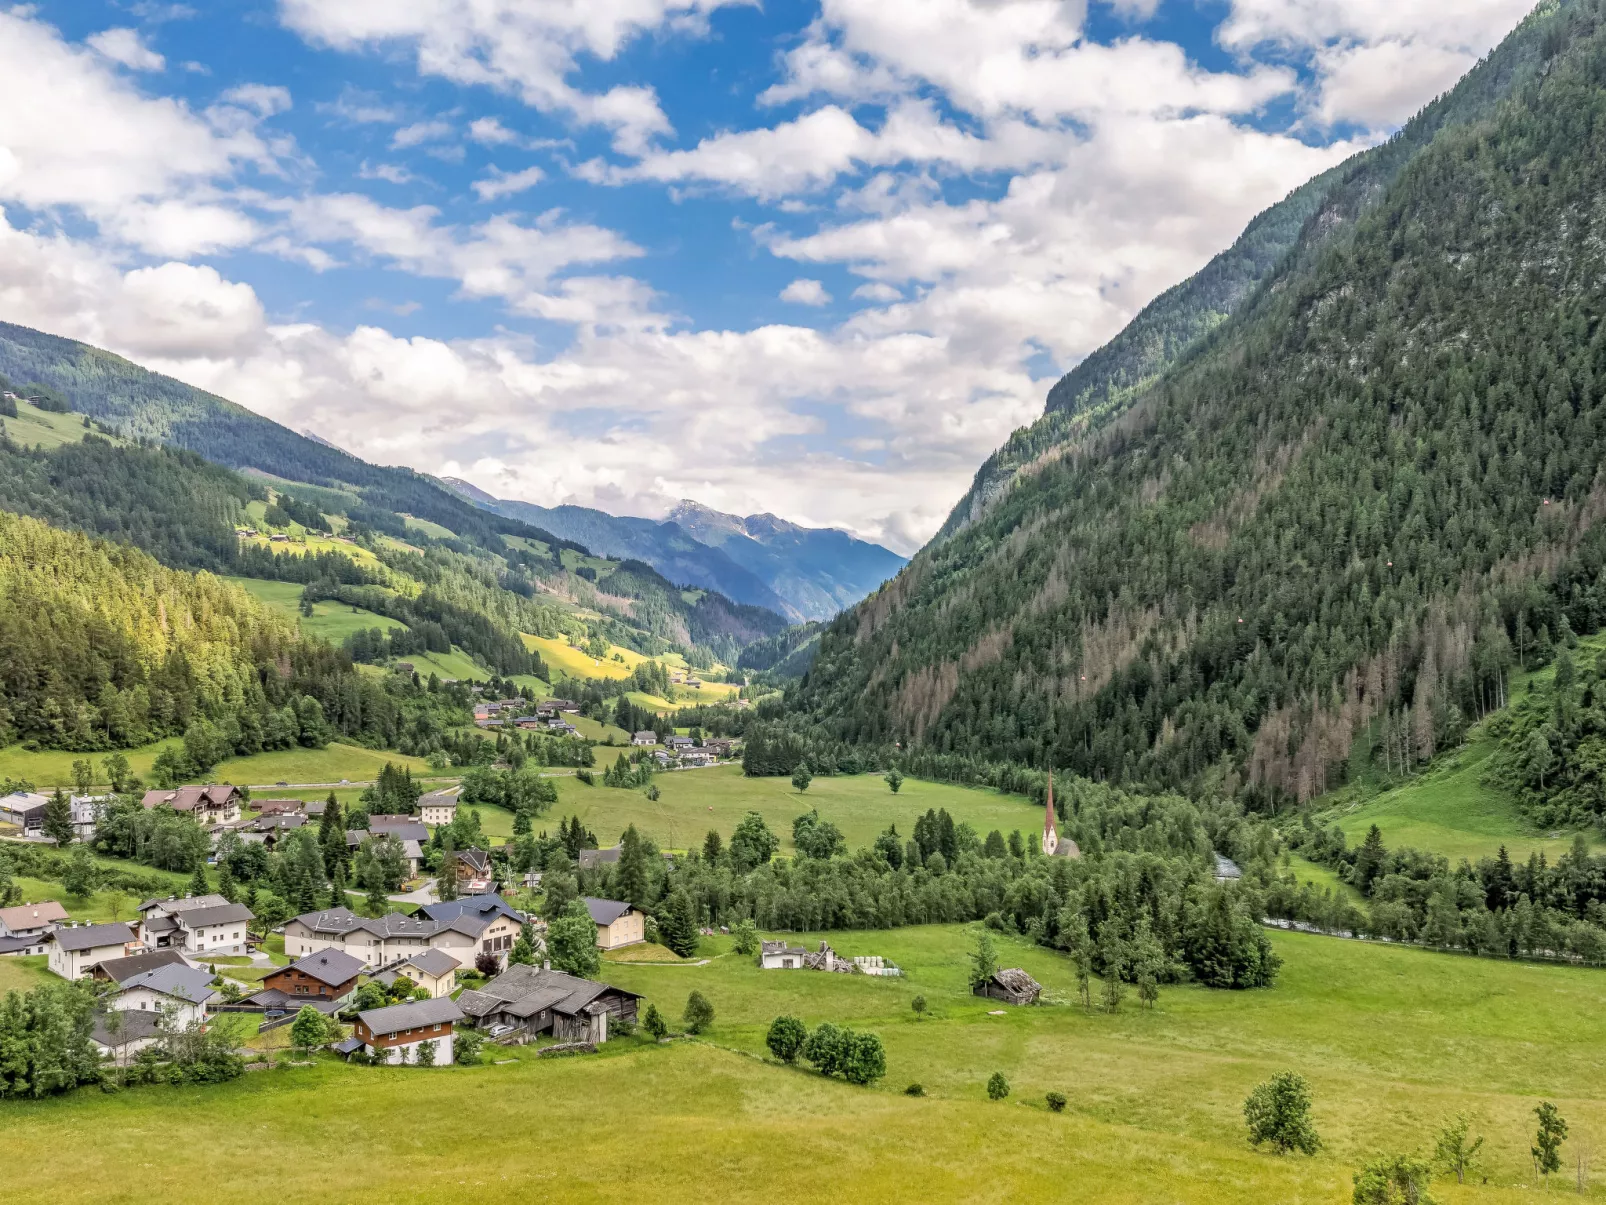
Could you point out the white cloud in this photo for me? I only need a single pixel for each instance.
(126, 47)
(361, 108)
(265, 100)
(506, 184)
(419, 133)
(526, 49)
(803, 291)
(489, 131)
(877, 290)
(391, 173)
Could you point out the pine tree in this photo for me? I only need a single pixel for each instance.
(198, 881)
(226, 886)
(58, 818)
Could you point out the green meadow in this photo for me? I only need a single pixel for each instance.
(49, 768)
(1390, 1039)
(693, 801)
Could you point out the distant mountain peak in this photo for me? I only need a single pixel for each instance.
(468, 490)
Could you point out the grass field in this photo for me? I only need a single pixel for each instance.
(693, 801)
(571, 661)
(50, 768)
(330, 620)
(36, 428)
(98, 909)
(455, 664)
(1390, 1039)
(19, 974)
(1447, 808)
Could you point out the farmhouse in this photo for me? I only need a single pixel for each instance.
(719, 746)
(178, 989)
(269, 830)
(78, 948)
(434, 970)
(329, 975)
(1013, 986)
(618, 924)
(438, 807)
(32, 920)
(209, 804)
(530, 1000)
(394, 1034)
(201, 924)
(778, 956)
(473, 870)
(644, 738)
(462, 929)
(278, 807)
(678, 744)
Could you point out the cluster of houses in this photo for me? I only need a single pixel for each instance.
(25, 810)
(541, 717)
(683, 750)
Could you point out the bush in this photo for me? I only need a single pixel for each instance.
(487, 964)
(786, 1038)
(997, 1086)
(824, 1048)
(863, 1059)
(699, 1014)
(466, 1047)
(915, 1090)
(655, 1025)
(1056, 1102)
(1278, 1112)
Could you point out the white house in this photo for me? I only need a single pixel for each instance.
(31, 920)
(462, 929)
(122, 1035)
(77, 948)
(86, 813)
(394, 1034)
(200, 924)
(182, 991)
(434, 970)
(438, 807)
(644, 738)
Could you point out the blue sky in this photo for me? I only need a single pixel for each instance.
(815, 257)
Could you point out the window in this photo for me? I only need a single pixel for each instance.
(437, 1029)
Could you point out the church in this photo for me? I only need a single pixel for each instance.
(1055, 846)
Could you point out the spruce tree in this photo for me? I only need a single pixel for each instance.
(198, 881)
(58, 818)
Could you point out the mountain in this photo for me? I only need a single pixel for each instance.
(818, 571)
(485, 579)
(803, 573)
(1318, 529)
(664, 546)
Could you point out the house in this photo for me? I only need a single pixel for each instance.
(438, 807)
(719, 746)
(644, 738)
(77, 948)
(394, 1034)
(329, 975)
(590, 859)
(1226, 869)
(434, 970)
(618, 923)
(696, 757)
(32, 920)
(678, 744)
(532, 1000)
(270, 830)
(409, 831)
(463, 929)
(209, 804)
(1013, 986)
(279, 807)
(200, 924)
(178, 989)
(120, 1035)
(38, 943)
(25, 809)
(778, 956)
(86, 813)
(474, 873)
(119, 969)
(567, 705)
(1054, 845)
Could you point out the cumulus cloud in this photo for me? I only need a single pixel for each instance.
(265, 100)
(505, 184)
(419, 133)
(125, 46)
(803, 291)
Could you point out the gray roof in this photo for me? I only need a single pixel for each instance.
(221, 914)
(398, 1017)
(488, 906)
(523, 991)
(344, 920)
(595, 857)
(134, 1026)
(605, 912)
(333, 967)
(89, 937)
(405, 828)
(179, 980)
(16, 945)
(119, 969)
(434, 962)
(188, 902)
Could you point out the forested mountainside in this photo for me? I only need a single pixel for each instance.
(817, 570)
(103, 648)
(1099, 389)
(664, 546)
(485, 579)
(1340, 516)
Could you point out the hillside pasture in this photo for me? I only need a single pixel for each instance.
(330, 620)
(1390, 1039)
(576, 663)
(36, 428)
(49, 768)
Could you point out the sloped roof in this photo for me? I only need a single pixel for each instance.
(133, 1026)
(434, 962)
(397, 1017)
(217, 914)
(32, 916)
(523, 991)
(119, 969)
(333, 967)
(489, 906)
(185, 903)
(186, 799)
(91, 937)
(179, 980)
(605, 912)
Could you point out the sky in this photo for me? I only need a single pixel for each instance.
(811, 257)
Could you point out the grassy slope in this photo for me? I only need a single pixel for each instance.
(563, 659)
(37, 428)
(20, 974)
(49, 768)
(693, 801)
(1154, 1113)
(331, 621)
(1447, 808)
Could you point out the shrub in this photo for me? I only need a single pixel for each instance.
(466, 1046)
(997, 1086)
(486, 964)
(699, 1014)
(654, 1023)
(824, 1048)
(1056, 1102)
(786, 1038)
(915, 1090)
(1278, 1112)
(863, 1060)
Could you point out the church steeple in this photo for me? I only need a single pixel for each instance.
(1050, 828)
